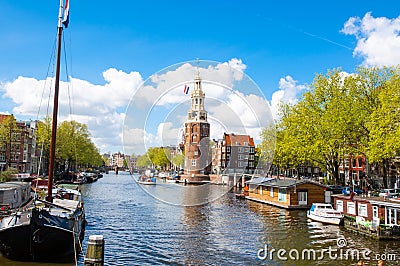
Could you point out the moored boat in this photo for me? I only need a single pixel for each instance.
(146, 180)
(51, 229)
(44, 231)
(324, 213)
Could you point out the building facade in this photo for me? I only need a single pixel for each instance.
(235, 153)
(197, 134)
(18, 149)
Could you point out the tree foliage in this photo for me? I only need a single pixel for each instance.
(340, 115)
(73, 144)
(7, 175)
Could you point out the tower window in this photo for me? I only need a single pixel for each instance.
(193, 162)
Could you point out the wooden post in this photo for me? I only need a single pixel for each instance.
(95, 251)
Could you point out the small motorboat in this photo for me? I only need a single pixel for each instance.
(324, 213)
(145, 180)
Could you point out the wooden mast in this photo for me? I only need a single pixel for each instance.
(55, 107)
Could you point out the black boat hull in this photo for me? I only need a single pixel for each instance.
(56, 239)
(15, 242)
(46, 238)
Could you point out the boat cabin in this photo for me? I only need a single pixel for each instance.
(14, 194)
(287, 193)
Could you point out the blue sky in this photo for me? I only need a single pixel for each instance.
(281, 44)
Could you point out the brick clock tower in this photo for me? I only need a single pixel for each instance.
(197, 138)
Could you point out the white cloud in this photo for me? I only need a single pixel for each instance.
(102, 107)
(287, 93)
(95, 105)
(378, 39)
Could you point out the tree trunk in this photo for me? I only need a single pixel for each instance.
(385, 172)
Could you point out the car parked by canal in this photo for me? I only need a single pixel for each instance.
(347, 191)
(389, 193)
(336, 189)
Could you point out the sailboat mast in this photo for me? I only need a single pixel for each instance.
(55, 106)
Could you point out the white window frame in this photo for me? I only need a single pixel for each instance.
(193, 162)
(375, 212)
(339, 205)
(363, 209)
(351, 208)
(271, 192)
(302, 197)
(282, 194)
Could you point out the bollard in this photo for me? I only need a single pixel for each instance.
(95, 251)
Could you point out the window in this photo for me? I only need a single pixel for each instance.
(193, 162)
(339, 205)
(362, 210)
(251, 149)
(240, 149)
(261, 190)
(375, 213)
(271, 192)
(196, 153)
(391, 216)
(251, 164)
(351, 208)
(240, 156)
(245, 143)
(228, 149)
(282, 195)
(240, 164)
(302, 197)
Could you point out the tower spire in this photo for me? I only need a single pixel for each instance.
(197, 111)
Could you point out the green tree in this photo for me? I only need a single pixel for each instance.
(384, 125)
(74, 148)
(178, 160)
(143, 161)
(8, 174)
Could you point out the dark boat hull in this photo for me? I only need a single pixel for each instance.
(46, 238)
(15, 242)
(56, 239)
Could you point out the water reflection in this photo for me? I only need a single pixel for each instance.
(141, 230)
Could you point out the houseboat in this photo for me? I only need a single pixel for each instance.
(287, 193)
(377, 217)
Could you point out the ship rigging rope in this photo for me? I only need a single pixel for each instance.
(70, 91)
(51, 65)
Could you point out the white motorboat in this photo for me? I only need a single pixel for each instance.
(324, 213)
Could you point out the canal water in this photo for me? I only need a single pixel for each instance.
(142, 230)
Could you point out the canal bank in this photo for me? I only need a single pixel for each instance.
(141, 230)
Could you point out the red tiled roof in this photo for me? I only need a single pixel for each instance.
(2, 117)
(238, 140)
